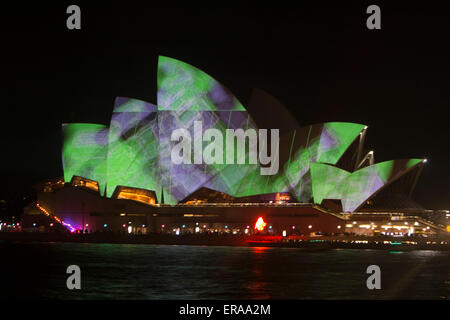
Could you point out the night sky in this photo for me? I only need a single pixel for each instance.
(321, 62)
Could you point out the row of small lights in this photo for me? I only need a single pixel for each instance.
(197, 229)
(9, 225)
(86, 225)
(67, 225)
(389, 225)
(260, 225)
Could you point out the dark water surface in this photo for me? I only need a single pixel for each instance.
(115, 271)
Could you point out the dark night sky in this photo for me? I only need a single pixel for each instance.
(321, 62)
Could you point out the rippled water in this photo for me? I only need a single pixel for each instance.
(114, 271)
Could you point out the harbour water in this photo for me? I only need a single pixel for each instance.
(128, 271)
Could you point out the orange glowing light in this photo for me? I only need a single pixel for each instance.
(260, 224)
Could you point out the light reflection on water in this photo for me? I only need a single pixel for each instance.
(118, 271)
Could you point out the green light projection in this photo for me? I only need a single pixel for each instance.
(136, 149)
(133, 155)
(180, 180)
(353, 189)
(327, 181)
(325, 142)
(84, 152)
(183, 87)
(187, 94)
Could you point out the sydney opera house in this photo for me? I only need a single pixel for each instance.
(120, 177)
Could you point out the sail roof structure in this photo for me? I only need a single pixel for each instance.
(135, 149)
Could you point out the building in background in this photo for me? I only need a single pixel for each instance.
(120, 177)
